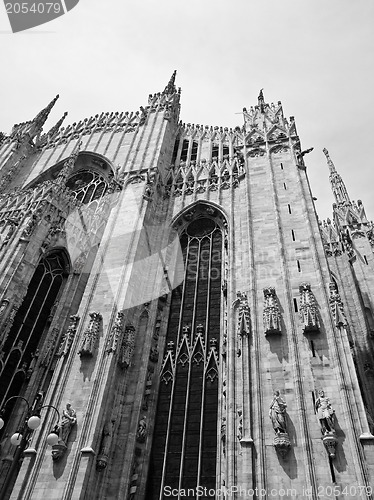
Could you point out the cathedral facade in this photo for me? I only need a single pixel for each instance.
(175, 320)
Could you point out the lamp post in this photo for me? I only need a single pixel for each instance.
(21, 437)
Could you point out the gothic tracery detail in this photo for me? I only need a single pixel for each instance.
(68, 337)
(127, 347)
(90, 336)
(308, 309)
(271, 314)
(336, 305)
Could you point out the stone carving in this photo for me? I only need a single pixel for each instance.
(3, 306)
(325, 413)
(149, 187)
(31, 223)
(8, 324)
(271, 315)
(308, 309)
(47, 355)
(11, 225)
(31, 367)
(153, 354)
(240, 425)
(244, 317)
(336, 306)
(90, 336)
(223, 435)
(326, 417)
(127, 347)
(106, 441)
(68, 165)
(141, 433)
(115, 333)
(277, 414)
(148, 386)
(68, 337)
(68, 421)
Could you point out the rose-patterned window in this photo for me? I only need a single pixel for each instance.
(87, 186)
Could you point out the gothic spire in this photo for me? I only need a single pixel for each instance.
(338, 187)
(329, 161)
(41, 117)
(56, 127)
(170, 87)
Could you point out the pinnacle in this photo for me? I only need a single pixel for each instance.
(56, 127)
(261, 101)
(41, 117)
(170, 87)
(329, 161)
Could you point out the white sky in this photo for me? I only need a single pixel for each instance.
(316, 56)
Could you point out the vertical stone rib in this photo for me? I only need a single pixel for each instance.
(348, 401)
(299, 386)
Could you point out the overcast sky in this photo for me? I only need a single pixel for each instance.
(316, 56)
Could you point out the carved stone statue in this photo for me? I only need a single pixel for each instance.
(141, 433)
(106, 441)
(325, 413)
(68, 421)
(277, 413)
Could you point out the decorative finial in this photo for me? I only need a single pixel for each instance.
(170, 87)
(329, 161)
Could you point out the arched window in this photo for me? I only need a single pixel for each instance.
(30, 322)
(184, 152)
(185, 435)
(87, 186)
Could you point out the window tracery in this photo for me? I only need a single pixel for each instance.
(87, 186)
(185, 436)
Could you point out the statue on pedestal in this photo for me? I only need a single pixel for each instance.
(277, 414)
(68, 421)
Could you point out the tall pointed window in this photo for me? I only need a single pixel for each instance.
(185, 435)
(30, 323)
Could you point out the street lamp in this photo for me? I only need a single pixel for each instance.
(31, 423)
(20, 438)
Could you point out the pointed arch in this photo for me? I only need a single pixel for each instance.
(185, 431)
(29, 328)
